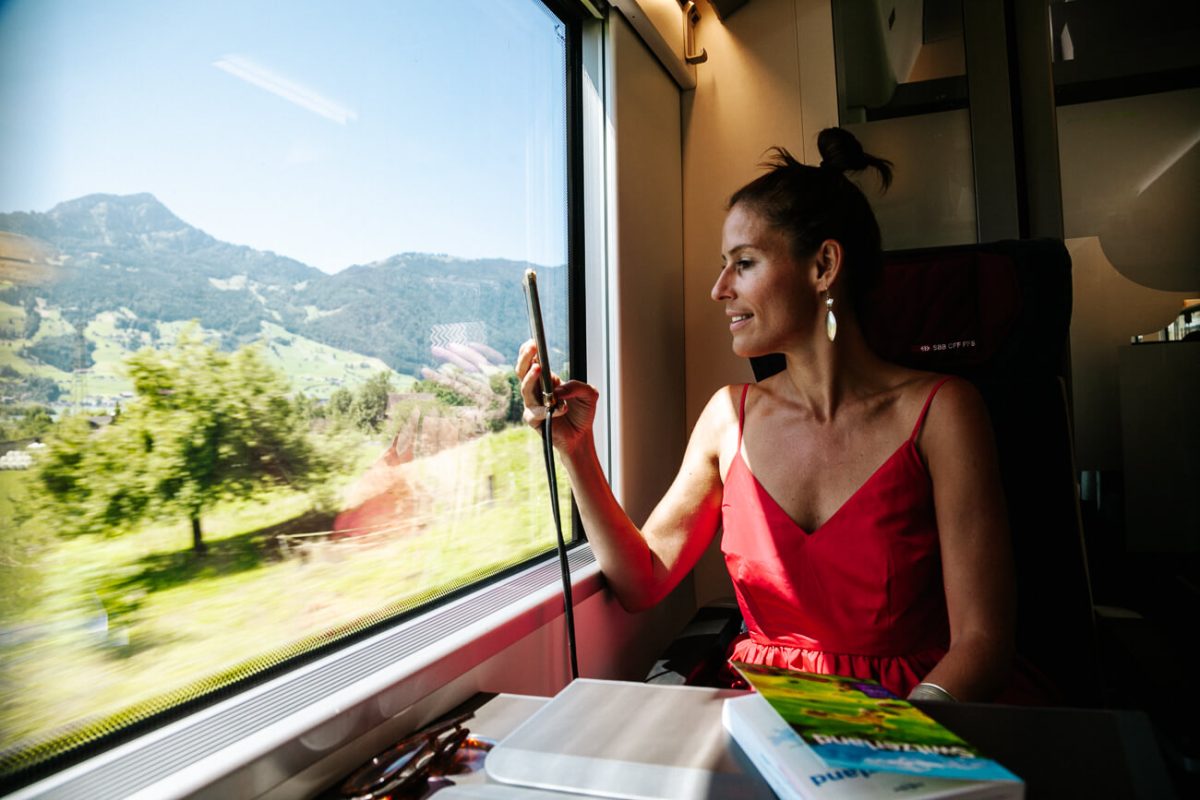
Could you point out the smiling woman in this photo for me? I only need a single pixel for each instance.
(282, 293)
(859, 501)
(758, 256)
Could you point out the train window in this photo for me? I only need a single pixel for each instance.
(259, 301)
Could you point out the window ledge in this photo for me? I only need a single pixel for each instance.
(279, 728)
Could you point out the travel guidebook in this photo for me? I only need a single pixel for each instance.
(825, 736)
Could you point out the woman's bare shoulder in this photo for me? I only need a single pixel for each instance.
(718, 422)
(722, 408)
(957, 413)
(954, 394)
(915, 386)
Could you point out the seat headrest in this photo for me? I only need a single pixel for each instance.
(984, 311)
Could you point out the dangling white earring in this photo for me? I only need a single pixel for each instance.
(830, 320)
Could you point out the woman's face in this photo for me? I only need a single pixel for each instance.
(769, 297)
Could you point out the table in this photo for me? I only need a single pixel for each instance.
(1058, 752)
(1065, 752)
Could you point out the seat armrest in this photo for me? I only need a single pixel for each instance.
(695, 657)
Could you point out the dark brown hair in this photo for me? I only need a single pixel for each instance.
(811, 204)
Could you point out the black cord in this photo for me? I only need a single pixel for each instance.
(552, 479)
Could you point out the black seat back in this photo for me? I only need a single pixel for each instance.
(998, 314)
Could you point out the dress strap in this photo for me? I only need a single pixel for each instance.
(925, 409)
(742, 415)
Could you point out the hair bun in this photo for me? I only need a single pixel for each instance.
(840, 150)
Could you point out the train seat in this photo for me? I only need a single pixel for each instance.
(998, 314)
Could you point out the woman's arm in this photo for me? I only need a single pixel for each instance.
(641, 566)
(959, 447)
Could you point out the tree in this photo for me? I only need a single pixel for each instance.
(507, 387)
(340, 402)
(370, 404)
(444, 394)
(308, 407)
(24, 422)
(204, 426)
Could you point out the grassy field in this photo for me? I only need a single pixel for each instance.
(12, 487)
(126, 619)
(12, 319)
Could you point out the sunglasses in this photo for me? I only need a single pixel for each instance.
(419, 764)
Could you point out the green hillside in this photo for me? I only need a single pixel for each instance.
(125, 272)
(315, 369)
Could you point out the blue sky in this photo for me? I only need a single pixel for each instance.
(336, 133)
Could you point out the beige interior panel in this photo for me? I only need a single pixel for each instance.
(649, 335)
(1131, 175)
(931, 201)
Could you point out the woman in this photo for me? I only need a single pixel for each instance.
(864, 528)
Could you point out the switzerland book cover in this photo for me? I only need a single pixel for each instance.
(829, 736)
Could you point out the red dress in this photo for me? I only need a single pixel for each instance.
(861, 595)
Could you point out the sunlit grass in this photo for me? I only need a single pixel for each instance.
(12, 319)
(12, 488)
(127, 618)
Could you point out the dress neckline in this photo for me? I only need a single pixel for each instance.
(909, 445)
(906, 446)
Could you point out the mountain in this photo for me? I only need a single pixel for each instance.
(132, 252)
(131, 255)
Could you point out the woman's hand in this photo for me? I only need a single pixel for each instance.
(642, 565)
(575, 402)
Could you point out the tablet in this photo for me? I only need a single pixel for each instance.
(628, 740)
